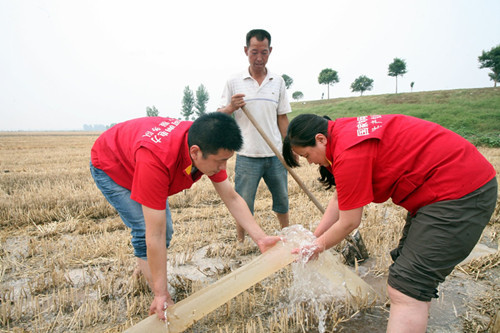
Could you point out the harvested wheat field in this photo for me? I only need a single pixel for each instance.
(67, 264)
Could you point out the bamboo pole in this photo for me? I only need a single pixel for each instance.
(184, 313)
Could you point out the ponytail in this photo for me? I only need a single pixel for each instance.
(288, 154)
(326, 178)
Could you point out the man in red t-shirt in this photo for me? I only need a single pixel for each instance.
(447, 186)
(139, 163)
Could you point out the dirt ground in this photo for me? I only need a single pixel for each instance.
(66, 261)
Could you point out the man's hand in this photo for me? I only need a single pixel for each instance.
(237, 101)
(159, 306)
(267, 242)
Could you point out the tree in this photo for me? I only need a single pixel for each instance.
(297, 95)
(494, 78)
(288, 81)
(411, 85)
(396, 68)
(362, 84)
(152, 112)
(328, 76)
(491, 60)
(201, 100)
(187, 103)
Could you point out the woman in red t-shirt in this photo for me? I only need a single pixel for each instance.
(447, 186)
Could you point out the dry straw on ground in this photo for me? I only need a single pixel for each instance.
(66, 261)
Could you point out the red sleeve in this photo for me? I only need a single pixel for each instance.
(219, 176)
(151, 180)
(353, 175)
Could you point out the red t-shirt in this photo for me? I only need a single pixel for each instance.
(150, 157)
(413, 161)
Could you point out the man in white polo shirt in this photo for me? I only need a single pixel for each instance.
(265, 95)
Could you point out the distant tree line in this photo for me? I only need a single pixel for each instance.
(361, 84)
(96, 127)
(194, 105)
(488, 59)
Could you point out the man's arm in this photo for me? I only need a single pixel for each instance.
(283, 106)
(239, 209)
(283, 124)
(156, 229)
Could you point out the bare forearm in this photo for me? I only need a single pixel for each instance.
(228, 109)
(283, 124)
(245, 218)
(330, 217)
(334, 235)
(157, 262)
(239, 210)
(156, 230)
(348, 221)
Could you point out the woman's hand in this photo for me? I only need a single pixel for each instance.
(309, 252)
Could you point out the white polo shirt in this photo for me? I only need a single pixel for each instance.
(265, 103)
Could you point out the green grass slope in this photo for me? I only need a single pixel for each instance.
(472, 113)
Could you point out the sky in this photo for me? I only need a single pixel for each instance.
(67, 63)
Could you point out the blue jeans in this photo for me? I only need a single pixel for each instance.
(130, 211)
(249, 171)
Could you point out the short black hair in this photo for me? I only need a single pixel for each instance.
(214, 131)
(260, 34)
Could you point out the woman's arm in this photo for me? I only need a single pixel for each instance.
(335, 232)
(347, 222)
(330, 216)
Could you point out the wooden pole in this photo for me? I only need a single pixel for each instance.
(357, 248)
(280, 157)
